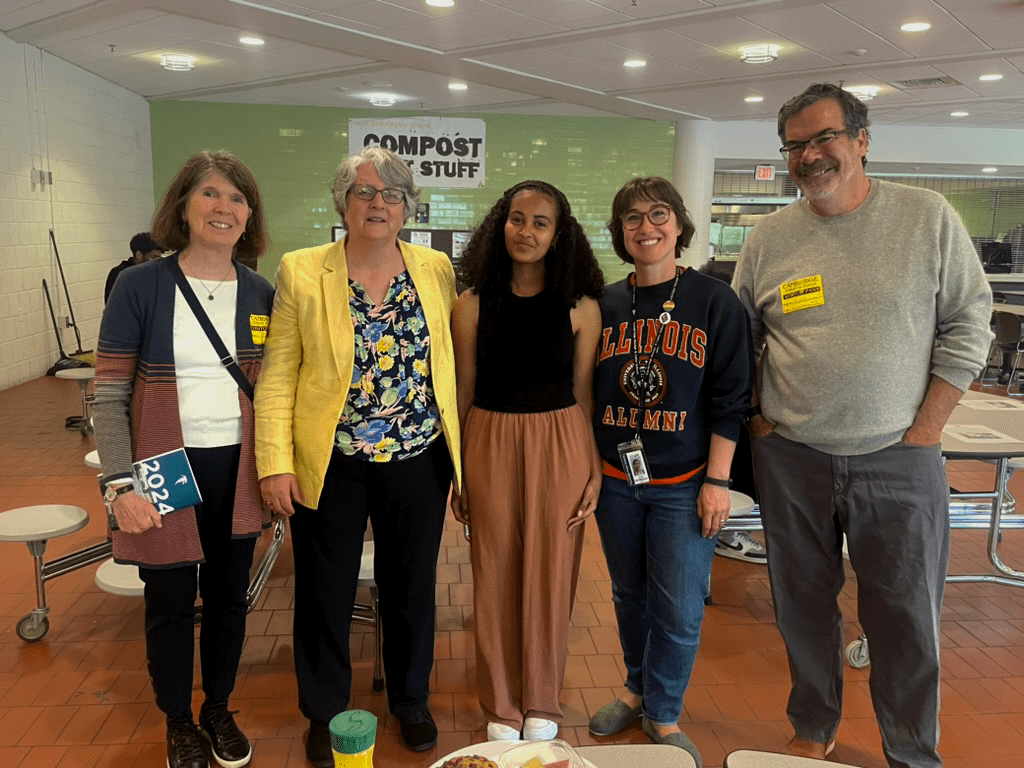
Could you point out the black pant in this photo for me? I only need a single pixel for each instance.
(405, 501)
(223, 581)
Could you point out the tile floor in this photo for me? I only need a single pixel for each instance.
(81, 697)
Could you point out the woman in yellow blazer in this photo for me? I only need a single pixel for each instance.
(356, 419)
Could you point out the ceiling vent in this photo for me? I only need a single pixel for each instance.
(928, 82)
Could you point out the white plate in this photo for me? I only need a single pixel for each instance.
(491, 750)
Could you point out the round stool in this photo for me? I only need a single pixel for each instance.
(92, 459)
(118, 579)
(83, 376)
(35, 526)
(740, 503)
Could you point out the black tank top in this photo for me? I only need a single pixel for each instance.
(524, 354)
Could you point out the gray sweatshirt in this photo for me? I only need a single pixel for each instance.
(851, 315)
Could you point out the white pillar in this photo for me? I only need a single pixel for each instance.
(694, 176)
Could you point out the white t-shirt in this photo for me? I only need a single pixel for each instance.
(207, 395)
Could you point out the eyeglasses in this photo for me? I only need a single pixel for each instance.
(390, 195)
(796, 148)
(658, 215)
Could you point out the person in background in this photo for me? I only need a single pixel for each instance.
(870, 313)
(738, 545)
(525, 344)
(356, 419)
(161, 386)
(672, 387)
(144, 248)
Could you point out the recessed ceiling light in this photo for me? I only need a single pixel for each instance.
(759, 54)
(634, 63)
(990, 78)
(457, 87)
(990, 169)
(251, 40)
(382, 99)
(959, 114)
(441, 3)
(177, 62)
(863, 92)
(916, 26)
(754, 99)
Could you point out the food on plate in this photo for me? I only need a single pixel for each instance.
(535, 762)
(469, 761)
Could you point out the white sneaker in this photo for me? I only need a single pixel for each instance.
(501, 732)
(539, 729)
(740, 545)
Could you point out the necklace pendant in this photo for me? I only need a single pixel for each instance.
(669, 305)
(210, 297)
(664, 318)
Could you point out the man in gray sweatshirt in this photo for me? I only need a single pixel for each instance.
(870, 312)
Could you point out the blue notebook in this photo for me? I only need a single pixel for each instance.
(167, 481)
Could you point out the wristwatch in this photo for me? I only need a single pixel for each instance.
(110, 493)
(113, 491)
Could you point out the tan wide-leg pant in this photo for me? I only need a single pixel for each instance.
(524, 477)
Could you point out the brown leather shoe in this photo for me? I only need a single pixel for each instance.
(806, 748)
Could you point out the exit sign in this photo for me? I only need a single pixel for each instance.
(764, 173)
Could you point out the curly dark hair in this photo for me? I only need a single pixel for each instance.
(570, 269)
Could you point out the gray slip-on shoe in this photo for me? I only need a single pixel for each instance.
(614, 717)
(679, 739)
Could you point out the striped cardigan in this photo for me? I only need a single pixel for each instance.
(136, 401)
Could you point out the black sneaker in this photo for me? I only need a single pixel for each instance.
(318, 745)
(185, 746)
(229, 746)
(418, 730)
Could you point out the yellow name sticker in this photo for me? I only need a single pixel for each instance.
(258, 324)
(804, 293)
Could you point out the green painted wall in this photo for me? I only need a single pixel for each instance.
(294, 151)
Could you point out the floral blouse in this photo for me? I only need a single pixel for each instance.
(391, 413)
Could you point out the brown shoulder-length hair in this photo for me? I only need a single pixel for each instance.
(169, 225)
(653, 189)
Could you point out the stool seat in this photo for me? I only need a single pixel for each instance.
(740, 503)
(119, 579)
(365, 578)
(92, 459)
(79, 374)
(41, 522)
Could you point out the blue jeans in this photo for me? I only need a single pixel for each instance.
(659, 565)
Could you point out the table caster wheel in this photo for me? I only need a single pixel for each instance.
(857, 653)
(30, 629)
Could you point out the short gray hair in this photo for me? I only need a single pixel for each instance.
(855, 111)
(392, 169)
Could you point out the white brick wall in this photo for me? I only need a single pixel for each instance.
(94, 137)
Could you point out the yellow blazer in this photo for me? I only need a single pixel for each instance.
(310, 353)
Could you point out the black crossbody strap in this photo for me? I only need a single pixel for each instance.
(211, 333)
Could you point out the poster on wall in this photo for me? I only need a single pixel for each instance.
(441, 151)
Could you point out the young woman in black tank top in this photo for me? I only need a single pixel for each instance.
(525, 336)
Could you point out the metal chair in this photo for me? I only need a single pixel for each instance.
(1007, 342)
(368, 613)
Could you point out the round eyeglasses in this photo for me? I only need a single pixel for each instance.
(390, 195)
(658, 215)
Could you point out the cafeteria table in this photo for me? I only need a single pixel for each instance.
(596, 756)
(988, 428)
(982, 427)
(752, 758)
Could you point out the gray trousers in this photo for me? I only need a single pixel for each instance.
(893, 506)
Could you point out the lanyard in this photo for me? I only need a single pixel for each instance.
(663, 319)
